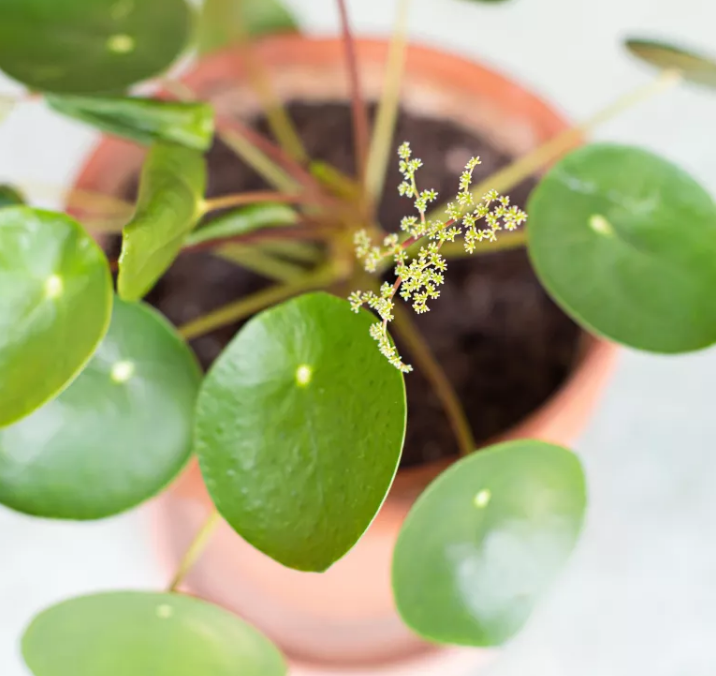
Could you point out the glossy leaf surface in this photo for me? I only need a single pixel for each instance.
(143, 120)
(90, 46)
(485, 540)
(55, 306)
(300, 427)
(625, 242)
(223, 22)
(116, 436)
(171, 193)
(143, 634)
(243, 221)
(697, 68)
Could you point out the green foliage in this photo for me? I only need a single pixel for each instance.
(145, 634)
(90, 46)
(10, 197)
(116, 436)
(626, 242)
(144, 120)
(170, 204)
(697, 68)
(223, 22)
(55, 306)
(300, 426)
(485, 540)
(418, 279)
(244, 221)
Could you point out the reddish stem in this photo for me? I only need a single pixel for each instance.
(358, 105)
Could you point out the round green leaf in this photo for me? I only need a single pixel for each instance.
(143, 120)
(243, 221)
(300, 426)
(89, 46)
(116, 436)
(697, 68)
(170, 203)
(485, 540)
(145, 634)
(626, 242)
(55, 306)
(10, 197)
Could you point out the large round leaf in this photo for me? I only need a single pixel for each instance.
(116, 436)
(697, 68)
(145, 634)
(55, 306)
(485, 540)
(626, 242)
(89, 46)
(300, 427)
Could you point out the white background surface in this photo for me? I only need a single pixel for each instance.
(640, 597)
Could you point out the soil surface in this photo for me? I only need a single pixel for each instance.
(502, 342)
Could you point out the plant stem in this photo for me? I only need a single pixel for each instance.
(302, 252)
(510, 176)
(360, 111)
(426, 361)
(387, 116)
(196, 549)
(242, 199)
(238, 310)
(276, 114)
(260, 262)
(257, 160)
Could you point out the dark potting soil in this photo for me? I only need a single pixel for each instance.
(502, 342)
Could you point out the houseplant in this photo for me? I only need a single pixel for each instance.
(299, 424)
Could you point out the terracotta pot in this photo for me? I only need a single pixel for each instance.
(344, 621)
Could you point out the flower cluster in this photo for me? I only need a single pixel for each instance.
(419, 277)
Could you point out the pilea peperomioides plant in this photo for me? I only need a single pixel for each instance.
(299, 425)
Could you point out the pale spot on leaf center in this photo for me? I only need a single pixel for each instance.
(164, 611)
(304, 373)
(121, 44)
(54, 286)
(482, 499)
(601, 225)
(122, 371)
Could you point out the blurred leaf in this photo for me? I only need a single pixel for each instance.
(146, 634)
(116, 436)
(626, 242)
(485, 540)
(170, 203)
(90, 46)
(10, 197)
(300, 426)
(55, 306)
(243, 221)
(223, 22)
(143, 120)
(695, 67)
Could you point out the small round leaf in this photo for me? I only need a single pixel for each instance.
(626, 242)
(485, 540)
(90, 46)
(146, 634)
(116, 436)
(300, 426)
(697, 68)
(55, 306)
